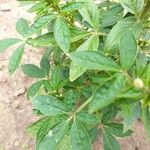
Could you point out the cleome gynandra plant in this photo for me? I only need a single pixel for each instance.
(94, 75)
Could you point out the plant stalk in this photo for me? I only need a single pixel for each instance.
(83, 105)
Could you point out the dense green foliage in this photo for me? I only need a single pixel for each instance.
(94, 76)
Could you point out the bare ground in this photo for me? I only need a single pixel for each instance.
(15, 110)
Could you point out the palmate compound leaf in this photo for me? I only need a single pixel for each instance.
(15, 59)
(92, 44)
(79, 137)
(107, 93)
(62, 34)
(54, 137)
(6, 43)
(49, 105)
(94, 61)
(128, 50)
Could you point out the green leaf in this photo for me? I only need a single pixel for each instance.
(65, 143)
(72, 6)
(100, 78)
(22, 26)
(133, 6)
(87, 118)
(79, 137)
(110, 114)
(32, 71)
(146, 119)
(15, 59)
(57, 53)
(78, 34)
(93, 133)
(43, 131)
(47, 85)
(55, 2)
(114, 36)
(117, 129)
(91, 43)
(45, 40)
(48, 52)
(146, 75)
(56, 77)
(130, 93)
(141, 62)
(128, 50)
(75, 71)
(62, 34)
(45, 65)
(109, 141)
(49, 105)
(34, 127)
(40, 23)
(106, 93)
(54, 137)
(130, 114)
(90, 13)
(36, 7)
(70, 100)
(111, 15)
(33, 89)
(6, 43)
(94, 61)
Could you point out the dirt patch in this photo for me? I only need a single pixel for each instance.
(15, 110)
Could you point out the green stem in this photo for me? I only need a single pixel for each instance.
(83, 105)
(57, 9)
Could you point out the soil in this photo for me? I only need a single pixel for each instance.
(15, 110)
